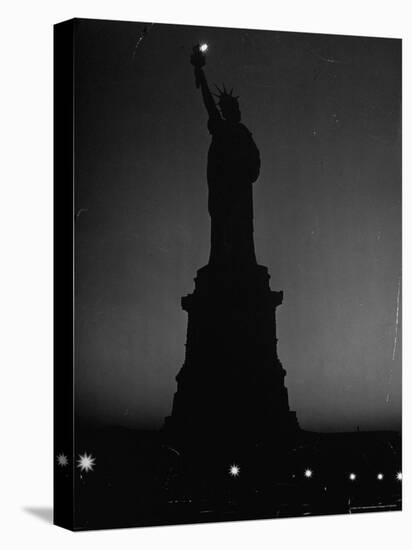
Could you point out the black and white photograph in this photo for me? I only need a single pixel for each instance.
(204, 285)
(237, 274)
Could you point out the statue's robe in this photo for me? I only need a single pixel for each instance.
(233, 165)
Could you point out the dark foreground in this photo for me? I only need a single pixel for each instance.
(138, 480)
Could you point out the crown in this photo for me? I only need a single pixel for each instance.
(225, 97)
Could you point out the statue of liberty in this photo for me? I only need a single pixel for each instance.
(232, 167)
(231, 396)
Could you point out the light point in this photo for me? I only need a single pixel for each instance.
(86, 462)
(234, 470)
(62, 460)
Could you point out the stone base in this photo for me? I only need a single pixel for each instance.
(231, 387)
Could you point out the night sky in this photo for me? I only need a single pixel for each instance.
(325, 114)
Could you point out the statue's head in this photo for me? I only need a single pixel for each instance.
(228, 105)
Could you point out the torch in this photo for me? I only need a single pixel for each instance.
(198, 59)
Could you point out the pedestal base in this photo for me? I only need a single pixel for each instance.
(231, 389)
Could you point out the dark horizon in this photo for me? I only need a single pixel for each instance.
(325, 113)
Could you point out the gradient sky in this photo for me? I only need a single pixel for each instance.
(325, 114)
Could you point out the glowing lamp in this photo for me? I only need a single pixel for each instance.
(380, 476)
(234, 470)
(399, 476)
(308, 473)
(203, 48)
(352, 476)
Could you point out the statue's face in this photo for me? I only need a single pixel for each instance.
(231, 111)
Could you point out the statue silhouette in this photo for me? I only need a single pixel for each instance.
(233, 166)
(231, 394)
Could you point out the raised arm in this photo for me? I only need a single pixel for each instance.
(197, 59)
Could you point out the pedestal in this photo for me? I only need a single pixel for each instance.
(231, 390)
